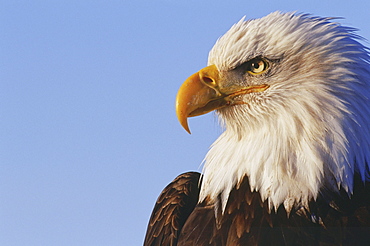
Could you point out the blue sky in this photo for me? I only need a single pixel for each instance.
(88, 131)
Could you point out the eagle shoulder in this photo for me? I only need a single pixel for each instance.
(173, 207)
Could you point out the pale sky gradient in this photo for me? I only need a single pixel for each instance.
(88, 131)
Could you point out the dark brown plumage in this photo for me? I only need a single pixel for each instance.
(177, 220)
(173, 207)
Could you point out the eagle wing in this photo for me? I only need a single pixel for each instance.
(334, 219)
(173, 207)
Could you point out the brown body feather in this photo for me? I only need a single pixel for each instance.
(177, 219)
(172, 209)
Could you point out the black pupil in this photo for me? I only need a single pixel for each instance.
(255, 65)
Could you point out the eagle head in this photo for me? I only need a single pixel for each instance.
(292, 92)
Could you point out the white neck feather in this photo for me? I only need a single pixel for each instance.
(285, 160)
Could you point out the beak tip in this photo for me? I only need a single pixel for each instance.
(182, 116)
(184, 124)
(188, 130)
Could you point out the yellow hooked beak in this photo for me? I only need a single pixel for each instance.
(201, 93)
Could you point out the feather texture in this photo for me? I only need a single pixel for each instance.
(172, 209)
(333, 219)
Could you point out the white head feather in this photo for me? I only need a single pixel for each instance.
(311, 129)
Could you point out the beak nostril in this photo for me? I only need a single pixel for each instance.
(208, 81)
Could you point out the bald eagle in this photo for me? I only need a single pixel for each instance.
(292, 166)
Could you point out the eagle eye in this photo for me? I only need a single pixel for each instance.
(257, 66)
